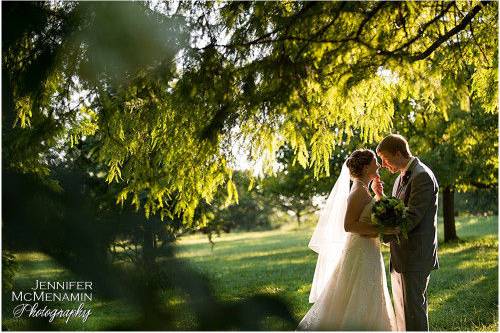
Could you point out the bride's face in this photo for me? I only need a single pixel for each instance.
(372, 168)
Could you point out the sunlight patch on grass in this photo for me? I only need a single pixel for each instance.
(304, 260)
(272, 289)
(305, 288)
(259, 254)
(31, 256)
(47, 271)
(236, 236)
(455, 289)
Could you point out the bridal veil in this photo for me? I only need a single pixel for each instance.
(329, 237)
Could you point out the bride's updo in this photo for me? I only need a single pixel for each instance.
(358, 160)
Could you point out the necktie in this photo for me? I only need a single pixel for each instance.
(403, 182)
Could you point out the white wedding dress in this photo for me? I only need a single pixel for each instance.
(356, 295)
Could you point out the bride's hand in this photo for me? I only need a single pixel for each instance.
(391, 230)
(369, 235)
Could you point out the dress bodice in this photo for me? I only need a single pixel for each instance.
(366, 213)
(357, 240)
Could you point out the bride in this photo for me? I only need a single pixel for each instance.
(349, 288)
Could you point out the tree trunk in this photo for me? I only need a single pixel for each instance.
(148, 244)
(298, 216)
(450, 232)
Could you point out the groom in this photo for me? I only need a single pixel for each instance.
(414, 258)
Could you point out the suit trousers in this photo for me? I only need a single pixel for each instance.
(409, 291)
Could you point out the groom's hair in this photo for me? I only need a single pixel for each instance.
(394, 143)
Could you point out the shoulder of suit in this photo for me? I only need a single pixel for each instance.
(422, 172)
(418, 166)
(421, 167)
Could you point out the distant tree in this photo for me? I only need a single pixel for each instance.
(292, 188)
(252, 211)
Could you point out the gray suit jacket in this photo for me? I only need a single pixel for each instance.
(420, 195)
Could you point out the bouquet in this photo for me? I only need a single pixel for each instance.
(390, 212)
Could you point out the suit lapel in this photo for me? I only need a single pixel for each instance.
(407, 187)
(402, 193)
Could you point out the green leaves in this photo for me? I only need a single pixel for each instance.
(232, 193)
(322, 143)
(114, 172)
(161, 109)
(485, 87)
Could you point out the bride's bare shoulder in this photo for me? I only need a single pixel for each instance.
(358, 197)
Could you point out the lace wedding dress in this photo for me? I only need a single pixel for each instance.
(356, 295)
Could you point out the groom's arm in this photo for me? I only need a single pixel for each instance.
(422, 195)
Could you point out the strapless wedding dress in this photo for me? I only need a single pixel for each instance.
(356, 296)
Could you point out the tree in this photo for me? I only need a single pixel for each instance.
(461, 149)
(162, 118)
(291, 193)
(325, 68)
(251, 212)
(293, 188)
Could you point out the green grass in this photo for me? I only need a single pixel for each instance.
(463, 293)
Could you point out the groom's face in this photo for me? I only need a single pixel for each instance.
(389, 161)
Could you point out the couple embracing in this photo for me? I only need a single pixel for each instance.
(349, 289)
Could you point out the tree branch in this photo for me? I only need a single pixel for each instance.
(477, 44)
(323, 29)
(370, 15)
(424, 27)
(264, 38)
(468, 18)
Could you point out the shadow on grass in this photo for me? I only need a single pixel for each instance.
(465, 287)
(77, 237)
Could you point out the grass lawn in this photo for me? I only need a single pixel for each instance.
(463, 293)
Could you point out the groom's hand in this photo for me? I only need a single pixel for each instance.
(378, 187)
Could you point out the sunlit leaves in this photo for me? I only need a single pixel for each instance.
(114, 172)
(298, 143)
(485, 87)
(232, 192)
(84, 124)
(164, 92)
(122, 196)
(24, 113)
(322, 144)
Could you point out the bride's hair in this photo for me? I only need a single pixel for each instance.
(357, 161)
